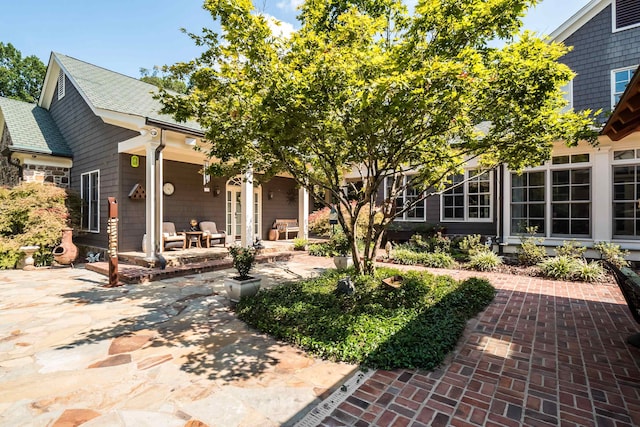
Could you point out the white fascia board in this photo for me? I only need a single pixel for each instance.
(580, 18)
(123, 120)
(49, 84)
(43, 160)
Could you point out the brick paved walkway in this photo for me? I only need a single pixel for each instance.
(544, 353)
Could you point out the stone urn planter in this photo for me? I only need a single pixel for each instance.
(342, 262)
(66, 252)
(237, 288)
(242, 285)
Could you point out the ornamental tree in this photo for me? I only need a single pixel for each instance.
(367, 92)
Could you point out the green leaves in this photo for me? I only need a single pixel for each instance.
(366, 90)
(20, 78)
(414, 326)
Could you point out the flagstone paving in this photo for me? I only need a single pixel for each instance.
(172, 353)
(167, 353)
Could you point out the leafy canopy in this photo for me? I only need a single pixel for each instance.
(20, 78)
(157, 78)
(367, 91)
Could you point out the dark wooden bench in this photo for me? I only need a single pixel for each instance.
(629, 283)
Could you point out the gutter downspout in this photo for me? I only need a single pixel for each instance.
(157, 209)
(499, 213)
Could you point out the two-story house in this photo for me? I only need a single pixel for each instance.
(100, 134)
(586, 193)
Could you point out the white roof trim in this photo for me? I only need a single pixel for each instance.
(580, 18)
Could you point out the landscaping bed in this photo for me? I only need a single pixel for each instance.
(413, 326)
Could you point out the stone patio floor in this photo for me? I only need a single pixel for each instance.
(172, 353)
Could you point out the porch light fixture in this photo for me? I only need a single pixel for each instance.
(216, 191)
(270, 194)
(190, 141)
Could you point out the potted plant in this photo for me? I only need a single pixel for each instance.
(341, 259)
(242, 285)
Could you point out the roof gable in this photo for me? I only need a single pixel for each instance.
(581, 17)
(32, 129)
(112, 96)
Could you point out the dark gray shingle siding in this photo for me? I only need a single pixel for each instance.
(597, 51)
(95, 147)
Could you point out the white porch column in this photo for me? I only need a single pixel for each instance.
(303, 212)
(153, 206)
(601, 203)
(247, 237)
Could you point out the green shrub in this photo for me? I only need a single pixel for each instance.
(321, 249)
(590, 272)
(419, 243)
(440, 243)
(560, 267)
(299, 244)
(34, 214)
(414, 326)
(319, 222)
(10, 253)
(571, 248)
(472, 244)
(427, 259)
(530, 251)
(243, 260)
(569, 268)
(433, 243)
(484, 261)
(612, 253)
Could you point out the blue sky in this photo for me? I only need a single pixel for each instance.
(124, 36)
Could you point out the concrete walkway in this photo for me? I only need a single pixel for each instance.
(167, 353)
(171, 353)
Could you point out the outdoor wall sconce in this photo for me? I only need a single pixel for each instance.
(190, 141)
(270, 194)
(216, 191)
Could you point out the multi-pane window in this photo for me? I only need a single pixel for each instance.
(528, 202)
(90, 186)
(409, 198)
(468, 200)
(619, 81)
(563, 209)
(626, 194)
(453, 200)
(571, 201)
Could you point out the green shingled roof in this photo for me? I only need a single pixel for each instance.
(32, 128)
(116, 92)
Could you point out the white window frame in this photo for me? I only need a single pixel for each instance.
(465, 185)
(91, 205)
(630, 70)
(548, 170)
(633, 161)
(614, 28)
(405, 217)
(61, 85)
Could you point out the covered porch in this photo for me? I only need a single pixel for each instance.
(164, 179)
